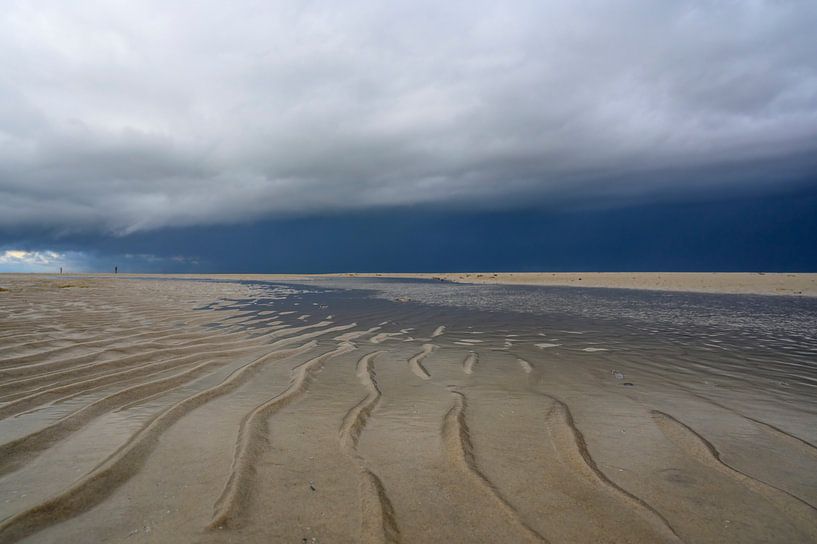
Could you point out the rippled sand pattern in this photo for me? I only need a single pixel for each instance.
(193, 411)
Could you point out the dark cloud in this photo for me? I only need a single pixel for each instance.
(127, 117)
(760, 232)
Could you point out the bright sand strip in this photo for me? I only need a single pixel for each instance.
(181, 411)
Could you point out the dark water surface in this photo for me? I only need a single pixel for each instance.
(771, 338)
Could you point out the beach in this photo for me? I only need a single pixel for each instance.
(756, 283)
(743, 283)
(402, 408)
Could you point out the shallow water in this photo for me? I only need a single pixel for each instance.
(761, 336)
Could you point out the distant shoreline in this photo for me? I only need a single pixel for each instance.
(781, 284)
(755, 283)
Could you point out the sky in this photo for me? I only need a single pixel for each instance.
(318, 136)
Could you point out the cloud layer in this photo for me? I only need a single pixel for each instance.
(18, 260)
(133, 116)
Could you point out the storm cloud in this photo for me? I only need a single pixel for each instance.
(122, 117)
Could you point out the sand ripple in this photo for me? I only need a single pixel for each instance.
(179, 411)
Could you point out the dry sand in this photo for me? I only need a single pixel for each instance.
(159, 411)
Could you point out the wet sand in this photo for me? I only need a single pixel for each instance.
(343, 411)
(745, 283)
(696, 282)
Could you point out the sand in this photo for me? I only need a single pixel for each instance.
(756, 283)
(184, 411)
(698, 282)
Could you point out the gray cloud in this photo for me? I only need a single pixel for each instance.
(126, 117)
